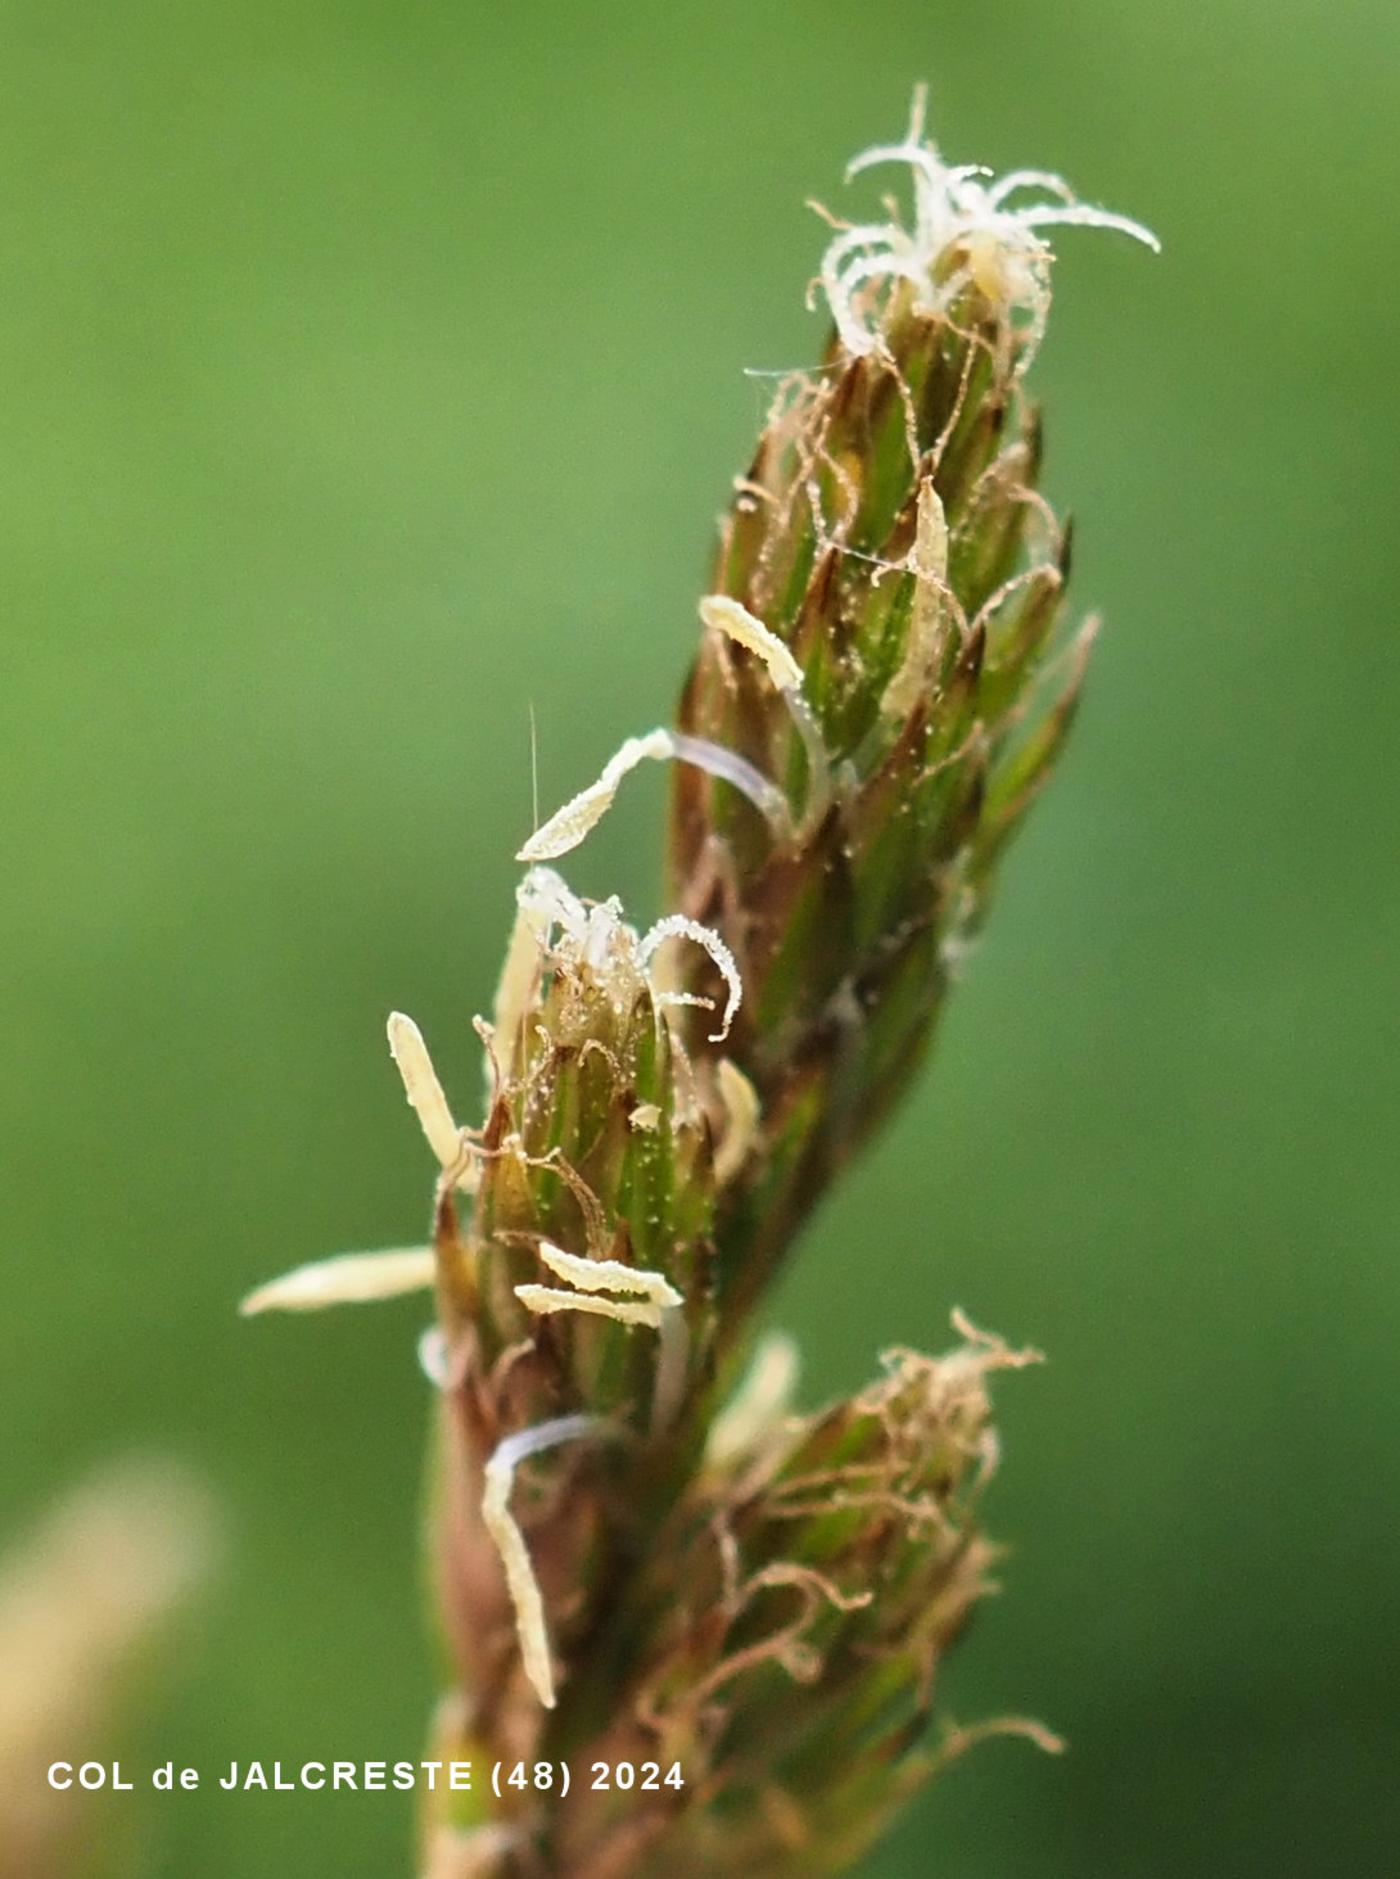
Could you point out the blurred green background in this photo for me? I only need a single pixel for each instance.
(373, 371)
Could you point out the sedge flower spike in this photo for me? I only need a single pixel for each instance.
(643, 1555)
(968, 230)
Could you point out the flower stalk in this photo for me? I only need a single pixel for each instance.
(643, 1558)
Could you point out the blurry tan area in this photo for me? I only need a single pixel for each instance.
(86, 1599)
(473, 1855)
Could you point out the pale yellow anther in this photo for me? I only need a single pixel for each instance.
(521, 1583)
(757, 1408)
(725, 615)
(544, 1299)
(568, 826)
(647, 1294)
(928, 562)
(345, 1279)
(930, 538)
(429, 1104)
(740, 1100)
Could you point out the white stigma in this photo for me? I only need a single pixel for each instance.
(965, 232)
(677, 926)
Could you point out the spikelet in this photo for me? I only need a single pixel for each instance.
(641, 1554)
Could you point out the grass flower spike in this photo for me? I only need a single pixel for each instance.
(643, 1559)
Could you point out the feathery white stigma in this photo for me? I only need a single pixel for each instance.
(965, 233)
(677, 926)
(593, 937)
